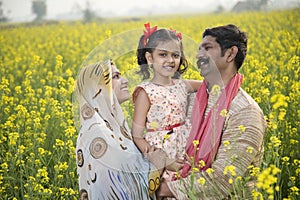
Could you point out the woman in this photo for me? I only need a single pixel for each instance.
(109, 165)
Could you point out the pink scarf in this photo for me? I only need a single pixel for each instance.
(208, 131)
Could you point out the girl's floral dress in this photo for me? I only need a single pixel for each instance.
(167, 124)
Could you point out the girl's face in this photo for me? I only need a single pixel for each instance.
(165, 58)
(119, 84)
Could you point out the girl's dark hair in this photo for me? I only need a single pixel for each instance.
(161, 35)
(228, 36)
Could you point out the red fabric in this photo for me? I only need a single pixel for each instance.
(149, 31)
(167, 128)
(208, 131)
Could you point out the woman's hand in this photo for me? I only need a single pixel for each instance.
(157, 157)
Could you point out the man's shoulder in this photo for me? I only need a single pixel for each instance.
(243, 100)
(245, 110)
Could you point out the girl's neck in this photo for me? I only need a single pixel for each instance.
(162, 82)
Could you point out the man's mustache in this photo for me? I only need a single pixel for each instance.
(202, 61)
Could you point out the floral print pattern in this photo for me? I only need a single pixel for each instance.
(168, 108)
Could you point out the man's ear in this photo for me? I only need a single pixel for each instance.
(149, 58)
(231, 53)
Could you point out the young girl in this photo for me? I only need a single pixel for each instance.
(160, 104)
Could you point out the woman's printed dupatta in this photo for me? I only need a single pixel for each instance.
(109, 165)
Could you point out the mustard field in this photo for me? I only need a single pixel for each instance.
(38, 69)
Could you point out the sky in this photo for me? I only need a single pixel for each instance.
(20, 10)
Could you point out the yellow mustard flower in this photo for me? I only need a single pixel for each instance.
(201, 181)
(59, 143)
(226, 143)
(167, 136)
(230, 169)
(215, 90)
(242, 128)
(154, 125)
(294, 190)
(195, 143)
(249, 150)
(274, 141)
(195, 169)
(224, 113)
(201, 163)
(209, 171)
(256, 195)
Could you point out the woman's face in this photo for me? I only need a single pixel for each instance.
(120, 85)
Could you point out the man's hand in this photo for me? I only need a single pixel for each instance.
(164, 191)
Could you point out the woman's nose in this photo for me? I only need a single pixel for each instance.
(124, 80)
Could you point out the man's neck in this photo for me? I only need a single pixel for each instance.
(227, 77)
(222, 81)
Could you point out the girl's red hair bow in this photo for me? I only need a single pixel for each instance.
(149, 31)
(179, 35)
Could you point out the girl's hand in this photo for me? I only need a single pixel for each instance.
(174, 165)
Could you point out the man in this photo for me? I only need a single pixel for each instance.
(228, 126)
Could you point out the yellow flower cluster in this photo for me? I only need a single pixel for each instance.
(267, 180)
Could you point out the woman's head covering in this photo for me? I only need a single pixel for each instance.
(108, 163)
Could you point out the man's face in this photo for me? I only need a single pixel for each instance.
(209, 57)
(119, 84)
